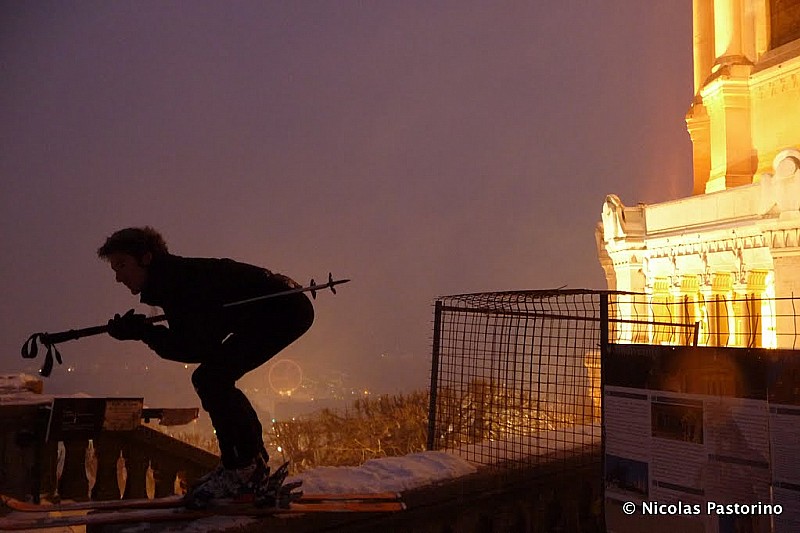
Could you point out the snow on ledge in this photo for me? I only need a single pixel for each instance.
(22, 389)
(400, 474)
(387, 474)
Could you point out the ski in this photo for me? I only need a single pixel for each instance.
(179, 501)
(22, 521)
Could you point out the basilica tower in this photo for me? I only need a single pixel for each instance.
(709, 258)
(746, 91)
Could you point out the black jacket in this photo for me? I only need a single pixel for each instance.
(192, 291)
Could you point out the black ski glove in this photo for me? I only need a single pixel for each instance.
(129, 326)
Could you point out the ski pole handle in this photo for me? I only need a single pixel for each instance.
(48, 341)
(73, 334)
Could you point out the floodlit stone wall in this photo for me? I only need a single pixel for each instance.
(727, 257)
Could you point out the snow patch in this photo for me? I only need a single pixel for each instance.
(399, 474)
(22, 389)
(387, 474)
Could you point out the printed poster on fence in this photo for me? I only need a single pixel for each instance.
(701, 439)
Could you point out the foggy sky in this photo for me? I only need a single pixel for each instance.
(419, 148)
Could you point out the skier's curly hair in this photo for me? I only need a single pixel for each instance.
(135, 242)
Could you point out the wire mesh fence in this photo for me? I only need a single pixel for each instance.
(516, 377)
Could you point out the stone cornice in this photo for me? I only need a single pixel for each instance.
(776, 85)
(783, 238)
(733, 243)
(776, 61)
(729, 83)
(733, 222)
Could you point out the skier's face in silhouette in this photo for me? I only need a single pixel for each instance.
(129, 270)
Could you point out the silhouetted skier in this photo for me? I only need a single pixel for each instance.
(227, 342)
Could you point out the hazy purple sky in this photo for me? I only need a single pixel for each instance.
(420, 148)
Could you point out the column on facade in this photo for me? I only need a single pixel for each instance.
(759, 314)
(719, 311)
(787, 309)
(629, 311)
(687, 308)
(727, 102)
(698, 125)
(673, 308)
(697, 120)
(726, 99)
(703, 41)
(728, 28)
(661, 330)
(750, 299)
(741, 313)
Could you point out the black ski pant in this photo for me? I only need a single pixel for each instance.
(260, 337)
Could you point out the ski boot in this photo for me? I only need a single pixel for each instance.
(274, 492)
(226, 483)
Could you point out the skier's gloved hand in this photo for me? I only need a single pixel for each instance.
(130, 326)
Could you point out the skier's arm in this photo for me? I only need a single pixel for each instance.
(165, 342)
(167, 345)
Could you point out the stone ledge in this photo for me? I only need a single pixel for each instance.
(564, 492)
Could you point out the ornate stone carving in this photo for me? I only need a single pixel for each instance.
(776, 86)
(741, 272)
(783, 238)
(786, 163)
(613, 218)
(706, 275)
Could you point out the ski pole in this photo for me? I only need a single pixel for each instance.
(30, 349)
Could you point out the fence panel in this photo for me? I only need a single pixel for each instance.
(515, 376)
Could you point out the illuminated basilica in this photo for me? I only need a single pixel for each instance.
(728, 257)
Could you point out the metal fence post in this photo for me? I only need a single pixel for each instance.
(437, 326)
(604, 347)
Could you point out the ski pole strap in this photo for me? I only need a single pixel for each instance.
(31, 349)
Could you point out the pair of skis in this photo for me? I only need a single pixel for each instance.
(273, 497)
(173, 509)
